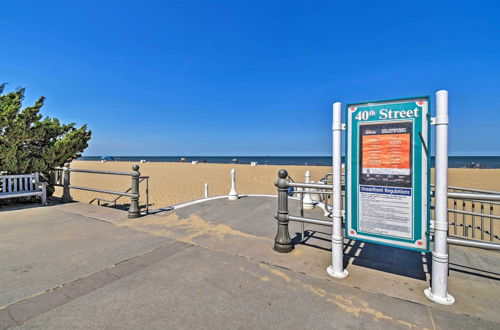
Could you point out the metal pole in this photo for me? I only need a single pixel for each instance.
(337, 267)
(438, 292)
(282, 241)
(491, 223)
(302, 214)
(147, 195)
(66, 196)
(206, 190)
(473, 243)
(133, 211)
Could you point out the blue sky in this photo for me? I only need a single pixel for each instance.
(249, 77)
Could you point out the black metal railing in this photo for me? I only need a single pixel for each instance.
(62, 178)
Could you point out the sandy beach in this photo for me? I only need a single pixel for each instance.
(173, 183)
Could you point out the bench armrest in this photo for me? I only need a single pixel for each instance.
(43, 185)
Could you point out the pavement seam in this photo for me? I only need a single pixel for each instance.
(182, 239)
(432, 318)
(36, 305)
(87, 216)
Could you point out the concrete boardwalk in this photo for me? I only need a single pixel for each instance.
(211, 265)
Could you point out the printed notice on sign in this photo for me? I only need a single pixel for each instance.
(387, 169)
(386, 154)
(386, 211)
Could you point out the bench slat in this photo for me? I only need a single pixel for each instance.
(18, 176)
(13, 186)
(19, 183)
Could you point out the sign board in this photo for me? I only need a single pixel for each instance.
(387, 173)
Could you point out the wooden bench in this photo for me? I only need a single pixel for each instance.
(22, 185)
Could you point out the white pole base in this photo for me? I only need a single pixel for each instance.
(308, 206)
(342, 274)
(308, 203)
(449, 300)
(232, 197)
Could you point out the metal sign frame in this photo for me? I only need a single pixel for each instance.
(406, 112)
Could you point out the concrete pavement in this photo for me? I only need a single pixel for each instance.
(211, 265)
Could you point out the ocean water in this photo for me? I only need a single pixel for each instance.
(453, 161)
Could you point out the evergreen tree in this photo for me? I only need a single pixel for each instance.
(30, 143)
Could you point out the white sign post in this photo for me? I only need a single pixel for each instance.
(438, 292)
(337, 267)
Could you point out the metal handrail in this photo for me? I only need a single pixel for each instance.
(111, 192)
(134, 208)
(141, 178)
(470, 189)
(310, 220)
(469, 196)
(487, 198)
(472, 196)
(312, 192)
(473, 243)
(100, 172)
(484, 215)
(325, 178)
(310, 185)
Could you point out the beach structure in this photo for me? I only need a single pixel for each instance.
(23, 185)
(206, 190)
(307, 200)
(63, 179)
(438, 291)
(233, 194)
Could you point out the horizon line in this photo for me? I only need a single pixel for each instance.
(102, 155)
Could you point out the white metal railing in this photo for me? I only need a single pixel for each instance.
(472, 213)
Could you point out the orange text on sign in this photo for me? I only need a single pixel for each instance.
(386, 151)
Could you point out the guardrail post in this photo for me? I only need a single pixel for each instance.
(337, 267)
(282, 241)
(438, 292)
(133, 211)
(233, 194)
(66, 196)
(308, 202)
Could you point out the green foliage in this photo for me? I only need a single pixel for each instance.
(30, 143)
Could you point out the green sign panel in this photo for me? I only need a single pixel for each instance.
(387, 173)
